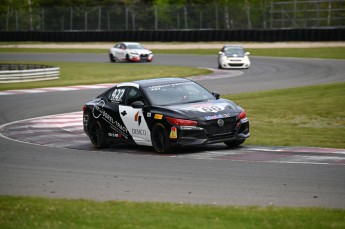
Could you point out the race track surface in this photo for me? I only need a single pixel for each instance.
(63, 166)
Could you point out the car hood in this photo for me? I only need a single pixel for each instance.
(207, 110)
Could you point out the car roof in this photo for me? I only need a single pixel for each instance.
(130, 43)
(233, 46)
(160, 81)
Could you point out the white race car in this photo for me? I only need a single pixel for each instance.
(233, 56)
(130, 52)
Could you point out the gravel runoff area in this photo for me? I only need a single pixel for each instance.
(178, 45)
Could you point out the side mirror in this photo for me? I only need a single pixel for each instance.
(247, 53)
(216, 94)
(138, 104)
(221, 53)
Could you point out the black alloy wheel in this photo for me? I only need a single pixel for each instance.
(97, 135)
(160, 139)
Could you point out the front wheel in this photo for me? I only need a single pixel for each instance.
(111, 58)
(160, 139)
(235, 143)
(97, 135)
(128, 59)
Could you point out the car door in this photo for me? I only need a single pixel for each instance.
(119, 51)
(133, 118)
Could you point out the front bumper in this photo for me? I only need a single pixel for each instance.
(141, 57)
(201, 135)
(234, 63)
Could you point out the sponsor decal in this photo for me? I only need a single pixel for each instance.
(114, 135)
(189, 127)
(158, 87)
(158, 116)
(148, 114)
(173, 132)
(138, 131)
(217, 116)
(98, 111)
(137, 118)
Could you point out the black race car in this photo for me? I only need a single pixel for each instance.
(163, 113)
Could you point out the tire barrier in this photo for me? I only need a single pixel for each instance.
(16, 73)
(280, 35)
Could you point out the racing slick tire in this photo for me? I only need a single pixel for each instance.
(97, 135)
(112, 58)
(160, 139)
(127, 58)
(235, 143)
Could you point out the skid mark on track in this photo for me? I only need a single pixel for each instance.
(66, 131)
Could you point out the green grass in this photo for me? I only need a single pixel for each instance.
(94, 73)
(28, 212)
(326, 53)
(306, 116)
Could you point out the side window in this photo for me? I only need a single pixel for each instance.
(117, 95)
(134, 95)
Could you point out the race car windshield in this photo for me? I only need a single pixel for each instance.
(231, 51)
(177, 93)
(134, 47)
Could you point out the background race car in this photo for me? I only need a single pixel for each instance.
(233, 56)
(163, 113)
(130, 52)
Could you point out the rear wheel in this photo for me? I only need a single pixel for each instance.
(97, 135)
(235, 143)
(160, 139)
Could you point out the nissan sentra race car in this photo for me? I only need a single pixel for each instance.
(163, 113)
(130, 52)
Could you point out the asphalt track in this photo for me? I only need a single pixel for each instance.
(209, 175)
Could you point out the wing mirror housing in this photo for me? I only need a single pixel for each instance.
(138, 104)
(216, 94)
(247, 53)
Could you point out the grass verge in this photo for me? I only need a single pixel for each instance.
(29, 212)
(306, 116)
(94, 73)
(326, 53)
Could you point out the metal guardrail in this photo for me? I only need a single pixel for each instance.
(16, 73)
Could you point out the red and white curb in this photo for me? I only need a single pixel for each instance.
(66, 131)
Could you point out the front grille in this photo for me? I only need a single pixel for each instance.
(235, 65)
(213, 128)
(221, 137)
(144, 56)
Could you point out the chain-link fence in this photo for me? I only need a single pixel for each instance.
(120, 17)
